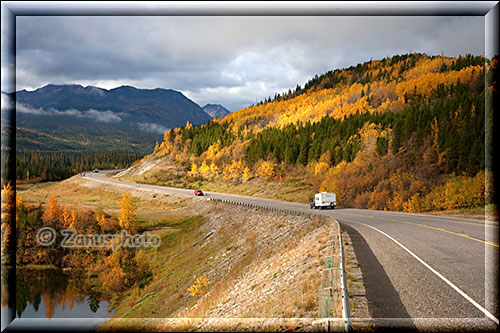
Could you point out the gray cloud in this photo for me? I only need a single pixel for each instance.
(233, 61)
(101, 116)
(152, 127)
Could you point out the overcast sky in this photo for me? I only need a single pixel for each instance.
(233, 61)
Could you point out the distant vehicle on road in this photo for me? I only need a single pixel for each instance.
(96, 170)
(199, 193)
(323, 200)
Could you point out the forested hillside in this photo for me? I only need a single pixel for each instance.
(401, 133)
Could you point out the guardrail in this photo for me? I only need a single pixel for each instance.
(254, 205)
(329, 291)
(346, 310)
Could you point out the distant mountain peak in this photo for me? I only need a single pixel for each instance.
(216, 110)
(67, 85)
(127, 87)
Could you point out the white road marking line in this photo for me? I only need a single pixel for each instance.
(430, 227)
(467, 297)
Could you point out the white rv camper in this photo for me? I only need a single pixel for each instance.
(323, 200)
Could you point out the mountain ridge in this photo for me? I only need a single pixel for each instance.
(126, 115)
(167, 107)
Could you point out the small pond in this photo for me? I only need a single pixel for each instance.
(53, 293)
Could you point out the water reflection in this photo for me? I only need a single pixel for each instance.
(8, 282)
(52, 293)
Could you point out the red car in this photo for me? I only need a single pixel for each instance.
(198, 193)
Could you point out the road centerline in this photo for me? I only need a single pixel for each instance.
(434, 228)
(448, 282)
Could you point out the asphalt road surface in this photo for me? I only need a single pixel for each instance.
(420, 272)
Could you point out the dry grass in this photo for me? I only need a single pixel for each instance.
(153, 209)
(282, 285)
(291, 188)
(261, 264)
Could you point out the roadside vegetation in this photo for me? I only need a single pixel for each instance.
(209, 264)
(96, 273)
(111, 271)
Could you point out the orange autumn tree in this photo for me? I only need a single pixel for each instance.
(112, 275)
(7, 213)
(199, 286)
(73, 219)
(52, 213)
(122, 269)
(106, 225)
(66, 217)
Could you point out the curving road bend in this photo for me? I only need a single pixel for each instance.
(421, 272)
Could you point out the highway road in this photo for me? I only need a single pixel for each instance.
(420, 272)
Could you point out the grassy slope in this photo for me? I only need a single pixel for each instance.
(252, 250)
(162, 171)
(289, 189)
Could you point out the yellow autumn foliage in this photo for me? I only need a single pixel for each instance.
(233, 170)
(214, 170)
(204, 170)
(321, 168)
(212, 151)
(199, 286)
(193, 171)
(266, 170)
(347, 99)
(457, 192)
(7, 201)
(247, 174)
(73, 220)
(126, 217)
